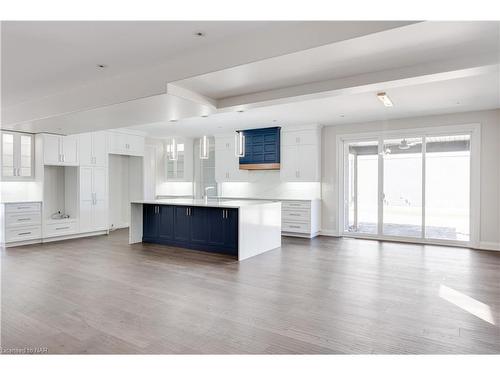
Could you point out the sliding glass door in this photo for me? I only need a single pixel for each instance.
(362, 191)
(415, 186)
(402, 187)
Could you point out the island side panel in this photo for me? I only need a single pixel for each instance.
(135, 230)
(259, 229)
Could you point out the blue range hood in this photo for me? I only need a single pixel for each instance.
(262, 149)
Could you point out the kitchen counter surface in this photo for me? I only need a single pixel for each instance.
(271, 199)
(19, 201)
(225, 203)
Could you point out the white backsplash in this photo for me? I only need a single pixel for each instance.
(267, 184)
(175, 188)
(20, 191)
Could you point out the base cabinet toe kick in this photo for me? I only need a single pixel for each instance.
(213, 229)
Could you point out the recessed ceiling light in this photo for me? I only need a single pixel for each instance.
(101, 66)
(199, 33)
(384, 99)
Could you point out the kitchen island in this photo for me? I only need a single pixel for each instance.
(241, 228)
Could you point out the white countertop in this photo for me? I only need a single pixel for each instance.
(272, 199)
(20, 201)
(210, 203)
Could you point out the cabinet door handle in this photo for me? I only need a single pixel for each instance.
(60, 228)
(187, 211)
(23, 233)
(24, 219)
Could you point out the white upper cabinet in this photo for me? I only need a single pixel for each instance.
(60, 150)
(93, 149)
(125, 143)
(301, 155)
(17, 156)
(227, 164)
(181, 168)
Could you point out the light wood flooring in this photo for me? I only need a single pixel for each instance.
(320, 296)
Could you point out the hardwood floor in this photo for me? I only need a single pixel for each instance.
(327, 295)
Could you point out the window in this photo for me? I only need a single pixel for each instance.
(17, 156)
(416, 186)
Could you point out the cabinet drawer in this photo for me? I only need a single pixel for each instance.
(16, 219)
(292, 205)
(60, 229)
(296, 215)
(22, 207)
(295, 227)
(23, 234)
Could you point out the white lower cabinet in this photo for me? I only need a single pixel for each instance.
(20, 222)
(62, 227)
(93, 199)
(301, 218)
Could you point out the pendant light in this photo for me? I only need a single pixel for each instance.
(239, 144)
(204, 147)
(172, 150)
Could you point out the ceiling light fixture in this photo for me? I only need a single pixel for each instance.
(204, 147)
(239, 143)
(384, 99)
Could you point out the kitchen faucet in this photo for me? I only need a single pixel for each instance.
(206, 192)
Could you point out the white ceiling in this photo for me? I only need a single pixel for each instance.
(426, 68)
(414, 44)
(456, 95)
(40, 58)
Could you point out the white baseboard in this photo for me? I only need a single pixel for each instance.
(327, 232)
(483, 245)
(75, 235)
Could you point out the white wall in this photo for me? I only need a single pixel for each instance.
(490, 164)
